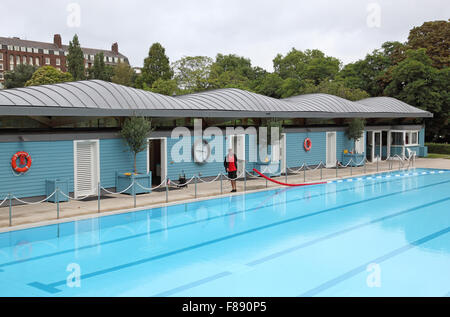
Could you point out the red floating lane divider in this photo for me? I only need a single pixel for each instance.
(284, 184)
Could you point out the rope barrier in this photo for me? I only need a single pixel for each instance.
(121, 192)
(33, 203)
(6, 198)
(73, 198)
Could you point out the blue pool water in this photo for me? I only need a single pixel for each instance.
(384, 235)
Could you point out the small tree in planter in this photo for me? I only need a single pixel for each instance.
(135, 131)
(355, 130)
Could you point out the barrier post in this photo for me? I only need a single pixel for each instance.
(285, 174)
(195, 186)
(99, 193)
(221, 185)
(266, 183)
(10, 209)
(57, 202)
(167, 190)
(336, 169)
(377, 162)
(245, 180)
(351, 169)
(134, 191)
(365, 166)
(320, 170)
(304, 173)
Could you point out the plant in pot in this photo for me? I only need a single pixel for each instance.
(135, 131)
(354, 132)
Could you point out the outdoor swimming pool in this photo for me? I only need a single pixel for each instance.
(383, 235)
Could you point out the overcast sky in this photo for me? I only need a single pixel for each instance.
(257, 29)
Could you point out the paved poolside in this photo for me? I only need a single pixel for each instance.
(32, 215)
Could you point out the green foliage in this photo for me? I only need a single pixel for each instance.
(165, 87)
(308, 65)
(19, 76)
(75, 60)
(337, 88)
(192, 73)
(123, 75)
(100, 70)
(434, 36)
(135, 131)
(48, 75)
(156, 66)
(355, 129)
(439, 148)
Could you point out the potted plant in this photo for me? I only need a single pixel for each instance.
(354, 132)
(135, 131)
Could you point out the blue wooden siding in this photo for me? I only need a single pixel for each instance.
(54, 159)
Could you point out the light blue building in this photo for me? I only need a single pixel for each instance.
(71, 132)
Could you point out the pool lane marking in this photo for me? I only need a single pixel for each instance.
(380, 259)
(193, 284)
(217, 276)
(53, 285)
(340, 232)
(180, 226)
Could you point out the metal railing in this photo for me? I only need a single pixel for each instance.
(167, 183)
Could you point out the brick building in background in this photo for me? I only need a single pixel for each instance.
(15, 51)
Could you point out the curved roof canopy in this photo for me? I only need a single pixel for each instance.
(100, 98)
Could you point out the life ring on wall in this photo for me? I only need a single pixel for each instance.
(23, 156)
(307, 144)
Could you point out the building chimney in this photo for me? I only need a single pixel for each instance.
(57, 40)
(115, 48)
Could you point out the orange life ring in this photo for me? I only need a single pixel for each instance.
(307, 144)
(22, 156)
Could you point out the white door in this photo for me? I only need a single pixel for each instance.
(331, 149)
(359, 144)
(86, 167)
(377, 147)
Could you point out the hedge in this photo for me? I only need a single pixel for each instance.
(439, 148)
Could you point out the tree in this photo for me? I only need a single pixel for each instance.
(123, 75)
(355, 130)
(309, 65)
(135, 131)
(165, 87)
(100, 70)
(75, 59)
(231, 71)
(416, 82)
(270, 85)
(336, 88)
(19, 76)
(192, 73)
(435, 37)
(156, 65)
(48, 75)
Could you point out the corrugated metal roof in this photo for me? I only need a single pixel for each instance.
(100, 98)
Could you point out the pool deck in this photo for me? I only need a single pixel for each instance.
(26, 216)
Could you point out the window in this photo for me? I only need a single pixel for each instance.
(56, 52)
(1, 66)
(31, 60)
(412, 138)
(11, 59)
(35, 50)
(1, 75)
(29, 49)
(24, 60)
(16, 48)
(23, 49)
(91, 57)
(1, 56)
(37, 61)
(121, 60)
(47, 61)
(17, 60)
(10, 48)
(45, 51)
(397, 138)
(58, 62)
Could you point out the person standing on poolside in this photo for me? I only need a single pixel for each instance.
(230, 164)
